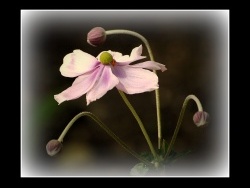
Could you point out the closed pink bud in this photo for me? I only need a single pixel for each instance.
(53, 147)
(96, 36)
(200, 118)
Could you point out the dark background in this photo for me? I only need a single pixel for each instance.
(194, 47)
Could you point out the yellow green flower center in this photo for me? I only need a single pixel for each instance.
(106, 58)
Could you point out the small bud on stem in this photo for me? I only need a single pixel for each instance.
(53, 147)
(96, 36)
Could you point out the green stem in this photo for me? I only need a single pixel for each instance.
(197, 101)
(157, 94)
(139, 122)
(103, 126)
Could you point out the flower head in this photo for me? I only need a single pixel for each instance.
(97, 75)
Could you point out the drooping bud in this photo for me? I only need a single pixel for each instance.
(53, 147)
(200, 118)
(96, 36)
(106, 58)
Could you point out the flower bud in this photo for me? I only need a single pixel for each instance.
(200, 118)
(96, 36)
(53, 147)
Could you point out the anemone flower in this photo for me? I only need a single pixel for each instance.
(97, 75)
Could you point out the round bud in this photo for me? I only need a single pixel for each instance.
(96, 36)
(200, 118)
(53, 147)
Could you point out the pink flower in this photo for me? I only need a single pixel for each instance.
(96, 76)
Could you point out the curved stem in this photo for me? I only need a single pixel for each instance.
(198, 103)
(157, 94)
(103, 126)
(139, 122)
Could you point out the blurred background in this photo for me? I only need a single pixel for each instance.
(194, 47)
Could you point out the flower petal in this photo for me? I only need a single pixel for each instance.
(137, 51)
(80, 86)
(115, 55)
(106, 82)
(77, 63)
(150, 65)
(134, 56)
(135, 80)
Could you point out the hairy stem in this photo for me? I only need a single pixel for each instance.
(157, 94)
(139, 122)
(188, 98)
(103, 126)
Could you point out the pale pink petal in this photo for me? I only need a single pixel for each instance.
(80, 86)
(106, 82)
(135, 80)
(123, 60)
(137, 51)
(150, 65)
(77, 63)
(115, 55)
(134, 56)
